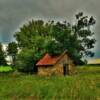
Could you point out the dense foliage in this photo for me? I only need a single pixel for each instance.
(26, 60)
(2, 56)
(12, 50)
(55, 37)
(84, 34)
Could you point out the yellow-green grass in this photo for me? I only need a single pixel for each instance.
(5, 68)
(85, 85)
(94, 61)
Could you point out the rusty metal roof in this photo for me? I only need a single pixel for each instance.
(49, 60)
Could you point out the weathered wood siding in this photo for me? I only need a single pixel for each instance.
(46, 71)
(57, 69)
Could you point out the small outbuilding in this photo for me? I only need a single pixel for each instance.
(56, 65)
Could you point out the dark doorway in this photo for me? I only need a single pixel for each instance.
(65, 67)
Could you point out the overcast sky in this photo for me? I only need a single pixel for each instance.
(13, 13)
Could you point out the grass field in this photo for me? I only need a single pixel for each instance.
(85, 85)
(6, 69)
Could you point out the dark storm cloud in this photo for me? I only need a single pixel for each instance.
(14, 12)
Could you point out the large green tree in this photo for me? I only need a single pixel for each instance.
(12, 50)
(33, 36)
(83, 31)
(2, 56)
(55, 37)
(78, 39)
(27, 35)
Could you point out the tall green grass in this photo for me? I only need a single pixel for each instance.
(85, 85)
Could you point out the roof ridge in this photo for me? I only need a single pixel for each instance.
(62, 55)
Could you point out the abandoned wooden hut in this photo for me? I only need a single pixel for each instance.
(56, 65)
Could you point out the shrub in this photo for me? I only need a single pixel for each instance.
(25, 61)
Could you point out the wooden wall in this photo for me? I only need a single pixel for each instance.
(57, 69)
